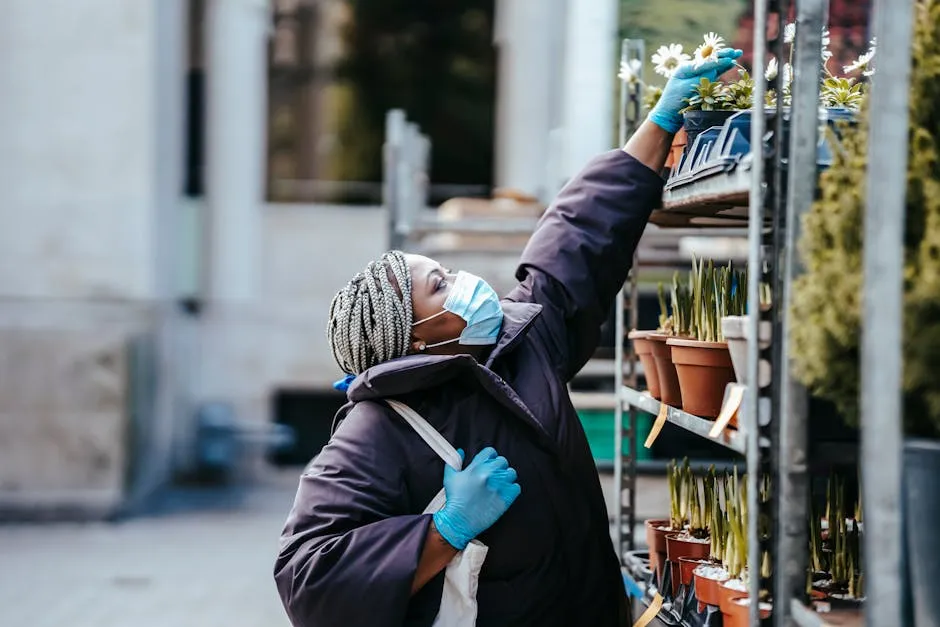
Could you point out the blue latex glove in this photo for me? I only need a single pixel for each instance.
(681, 87)
(476, 497)
(631, 587)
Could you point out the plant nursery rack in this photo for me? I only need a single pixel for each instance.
(766, 187)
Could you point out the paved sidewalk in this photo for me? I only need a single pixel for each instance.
(204, 560)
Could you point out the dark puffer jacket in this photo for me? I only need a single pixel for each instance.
(351, 545)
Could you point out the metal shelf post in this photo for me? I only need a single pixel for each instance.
(792, 474)
(631, 111)
(881, 363)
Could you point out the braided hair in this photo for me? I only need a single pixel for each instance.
(370, 320)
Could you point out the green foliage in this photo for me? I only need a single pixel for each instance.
(842, 92)
(651, 96)
(827, 299)
(715, 293)
(739, 94)
(708, 96)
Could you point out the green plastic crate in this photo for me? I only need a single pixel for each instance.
(599, 427)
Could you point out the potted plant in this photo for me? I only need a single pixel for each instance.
(692, 542)
(671, 325)
(709, 576)
(827, 300)
(736, 551)
(835, 548)
(658, 529)
(735, 329)
(703, 363)
(643, 346)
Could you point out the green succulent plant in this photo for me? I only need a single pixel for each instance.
(708, 96)
(827, 298)
(842, 92)
(739, 94)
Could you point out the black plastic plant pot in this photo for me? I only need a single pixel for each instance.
(698, 121)
(922, 542)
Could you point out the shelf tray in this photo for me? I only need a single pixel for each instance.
(730, 439)
(717, 200)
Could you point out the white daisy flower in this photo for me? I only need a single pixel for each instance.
(771, 72)
(863, 62)
(860, 63)
(668, 58)
(708, 51)
(789, 33)
(826, 40)
(630, 70)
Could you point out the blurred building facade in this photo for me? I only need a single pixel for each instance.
(143, 272)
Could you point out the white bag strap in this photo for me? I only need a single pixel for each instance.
(435, 440)
(429, 434)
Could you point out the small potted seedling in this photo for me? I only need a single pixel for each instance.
(670, 325)
(644, 347)
(658, 529)
(703, 364)
(735, 561)
(709, 576)
(692, 544)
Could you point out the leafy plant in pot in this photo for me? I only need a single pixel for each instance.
(692, 543)
(735, 551)
(703, 363)
(709, 576)
(828, 305)
(658, 529)
(670, 325)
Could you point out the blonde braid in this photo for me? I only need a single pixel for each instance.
(369, 322)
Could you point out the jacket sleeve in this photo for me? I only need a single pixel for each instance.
(582, 249)
(347, 554)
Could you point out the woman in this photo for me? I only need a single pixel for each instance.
(490, 376)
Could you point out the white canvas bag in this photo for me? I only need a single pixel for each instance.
(459, 598)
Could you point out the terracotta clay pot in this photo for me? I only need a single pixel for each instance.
(679, 141)
(726, 597)
(670, 393)
(656, 541)
(707, 590)
(704, 370)
(687, 566)
(677, 548)
(644, 351)
(739, 615)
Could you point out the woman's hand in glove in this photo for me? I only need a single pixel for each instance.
(682, 85)
(476, 497)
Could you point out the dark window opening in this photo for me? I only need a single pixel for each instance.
(310, 414)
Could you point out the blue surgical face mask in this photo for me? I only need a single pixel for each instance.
(477, 303)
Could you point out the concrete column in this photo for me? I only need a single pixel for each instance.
(237, 33)
(589, 71)
(529, 37)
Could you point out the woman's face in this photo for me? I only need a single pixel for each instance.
(430, 285)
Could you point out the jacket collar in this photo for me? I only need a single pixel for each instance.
(413, 373)
(417, 372)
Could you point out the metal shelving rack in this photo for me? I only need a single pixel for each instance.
(778, 185)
